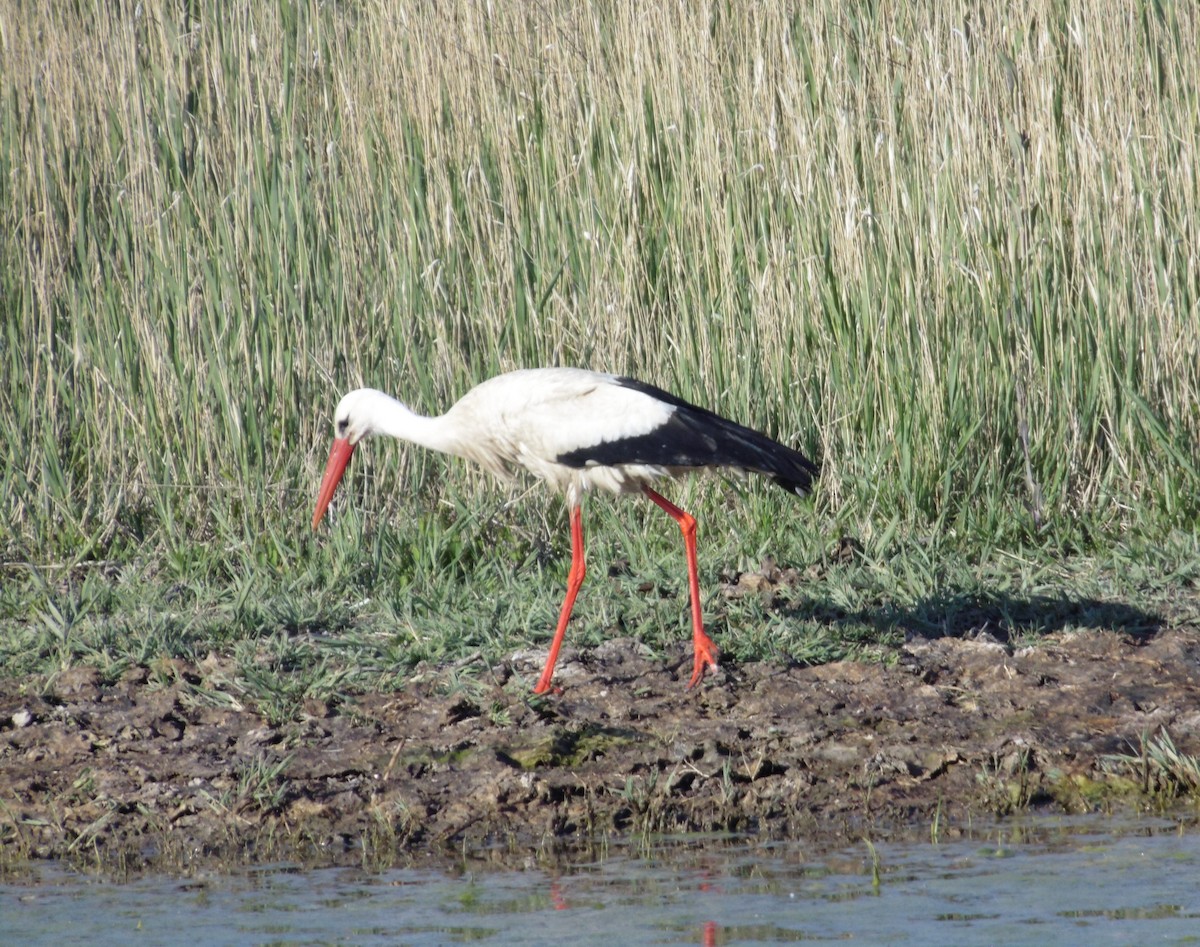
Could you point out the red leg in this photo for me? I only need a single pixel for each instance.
(574, 581)
(705, 650)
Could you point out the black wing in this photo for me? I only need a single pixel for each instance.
(696, 437)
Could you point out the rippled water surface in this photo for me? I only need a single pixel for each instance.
(1063, 882)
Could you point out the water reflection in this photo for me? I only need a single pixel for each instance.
(1068, 880)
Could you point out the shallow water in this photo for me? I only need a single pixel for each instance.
(1068, 881)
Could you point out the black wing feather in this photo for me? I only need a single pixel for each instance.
(696, 437)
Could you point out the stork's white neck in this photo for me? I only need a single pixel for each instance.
(375, 412)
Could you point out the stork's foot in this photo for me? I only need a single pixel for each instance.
(706, 656)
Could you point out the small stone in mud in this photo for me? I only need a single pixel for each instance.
(258, 735)
(21, 718)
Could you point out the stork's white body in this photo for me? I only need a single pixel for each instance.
(529, 418)
(579, 431)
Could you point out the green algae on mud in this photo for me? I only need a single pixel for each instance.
(145, 771)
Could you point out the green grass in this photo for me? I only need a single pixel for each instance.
(952, 256)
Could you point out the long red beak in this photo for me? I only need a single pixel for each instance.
(339, 456)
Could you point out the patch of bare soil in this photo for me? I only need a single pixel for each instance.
(156, 769)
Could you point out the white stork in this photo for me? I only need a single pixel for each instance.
(578, 430)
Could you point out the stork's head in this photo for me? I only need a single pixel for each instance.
(354, 419)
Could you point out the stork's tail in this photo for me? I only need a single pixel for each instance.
(729, 444)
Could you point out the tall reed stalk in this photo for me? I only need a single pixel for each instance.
(952, 252)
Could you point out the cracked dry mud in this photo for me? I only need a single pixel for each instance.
(152, 766)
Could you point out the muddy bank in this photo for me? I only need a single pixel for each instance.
(165, 768)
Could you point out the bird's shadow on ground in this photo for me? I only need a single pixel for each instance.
(995, 616)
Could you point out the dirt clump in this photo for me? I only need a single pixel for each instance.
(165, 763)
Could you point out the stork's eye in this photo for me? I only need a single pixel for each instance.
(342, 425)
